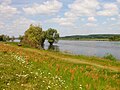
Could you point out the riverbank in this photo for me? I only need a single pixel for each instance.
(86, 39)
(28, 68)
(93, 37)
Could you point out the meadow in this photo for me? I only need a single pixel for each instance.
(24, 68)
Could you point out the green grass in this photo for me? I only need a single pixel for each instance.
(32, 69)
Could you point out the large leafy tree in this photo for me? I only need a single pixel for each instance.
(52, 36)
(34, 36)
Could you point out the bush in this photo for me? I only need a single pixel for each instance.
(110, 57)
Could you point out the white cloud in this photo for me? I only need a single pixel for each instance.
(47, 7)
(104, 22)
(21, 24)
(6, 10)
(91, 24)
(82, 19)
(17, 27)
(63, 21)
(22, 21)
(118, 0)
(76, 9)
(91, 19)
(113, 19)
(82, 8)
(6, 2)
(2, 25)
(110, 9)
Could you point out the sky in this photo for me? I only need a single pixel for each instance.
(69, 17)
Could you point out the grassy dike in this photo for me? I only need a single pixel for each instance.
(31, 69)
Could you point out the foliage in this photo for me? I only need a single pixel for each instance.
(98, 37)
(43, 37)
(52, 36)
(34, 36)
(13, 38)
(115, 38)
(20, 38)
(110, 57)
(4, 38)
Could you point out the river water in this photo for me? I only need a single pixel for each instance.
(90, 48)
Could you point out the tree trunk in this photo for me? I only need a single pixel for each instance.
(51, 43)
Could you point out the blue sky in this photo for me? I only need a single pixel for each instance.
(69, 17)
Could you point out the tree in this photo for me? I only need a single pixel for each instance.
(114, 38)
(20, 38)
(4, 38)
(13, 38)
(7, 38)
(52, 36)
(43, 38)
(1, 37)
(34, 36)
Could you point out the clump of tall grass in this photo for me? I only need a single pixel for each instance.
(110, 57)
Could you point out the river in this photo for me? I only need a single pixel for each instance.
(89, 48)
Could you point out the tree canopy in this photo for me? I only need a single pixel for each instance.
(35, 36)
(52, 36)
(114, 38)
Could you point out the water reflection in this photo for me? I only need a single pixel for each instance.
(53, 48)
(91, 48)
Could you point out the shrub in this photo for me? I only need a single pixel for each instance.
(110, 57)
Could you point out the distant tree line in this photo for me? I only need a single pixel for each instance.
(93, 36)
(114, 38)
(4, 38)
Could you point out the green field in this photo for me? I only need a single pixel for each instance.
(24, 68)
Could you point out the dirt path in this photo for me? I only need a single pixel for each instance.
(76, 61)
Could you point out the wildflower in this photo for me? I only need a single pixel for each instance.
(21, 84)
(8, 84)
(49, 73)
(36, 73)
(31, 72)
(56, 84)
(48, 87)
(80, 86)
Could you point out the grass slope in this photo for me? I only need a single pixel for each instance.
(32, 69)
